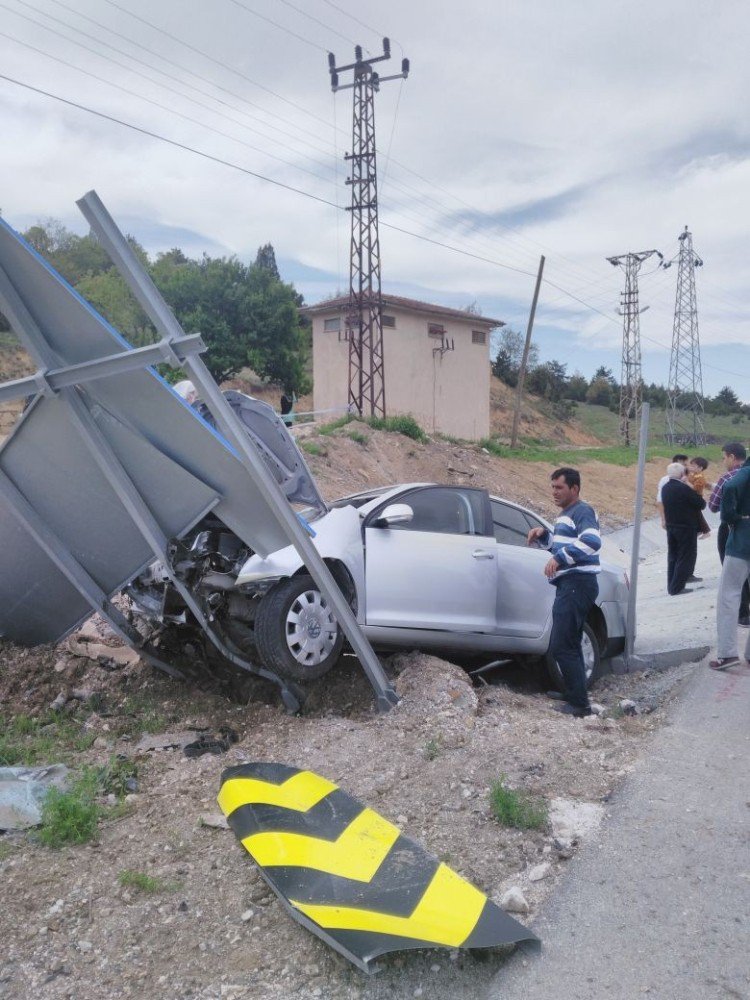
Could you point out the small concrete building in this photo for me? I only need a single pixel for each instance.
(436, 363)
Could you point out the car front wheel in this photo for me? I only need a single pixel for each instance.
(296, 632)
(591, 660)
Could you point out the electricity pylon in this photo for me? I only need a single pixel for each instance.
(364, 319)
(685, 411)
(631, 381)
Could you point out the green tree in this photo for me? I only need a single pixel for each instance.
(266, 259)
(725, 402)
(606, 374)
(246, 316)
(578, 386)
(72, 256)
(600, 392)
(509, 354)
(109, 295)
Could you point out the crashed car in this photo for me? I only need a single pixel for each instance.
(440, 568)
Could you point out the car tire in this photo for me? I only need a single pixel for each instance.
(591, 657)
(295, 630)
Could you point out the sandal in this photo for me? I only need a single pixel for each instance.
(724, 662)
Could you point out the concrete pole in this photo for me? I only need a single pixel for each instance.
(525, 359)
(630, 626)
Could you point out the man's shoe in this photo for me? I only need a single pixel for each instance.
(695, 579)
(685, 590)
(744, 621)
(724, 662)
(575, 710)
(555, 695)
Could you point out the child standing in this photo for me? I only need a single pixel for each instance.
(696, 469)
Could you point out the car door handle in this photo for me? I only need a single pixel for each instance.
(483, 554)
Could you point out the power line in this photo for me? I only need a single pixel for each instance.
(156, 104)
(185, 69)
(171, 142)
(205, 55)
(316, 20)
(275, 24)
(128, 69)
(245, 170)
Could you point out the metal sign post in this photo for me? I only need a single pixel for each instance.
(630, 627)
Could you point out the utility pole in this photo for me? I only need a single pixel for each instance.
(631, 382)
(525, 358)
(364, 319)
(685, 411)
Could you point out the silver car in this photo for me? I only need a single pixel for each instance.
(441, 568)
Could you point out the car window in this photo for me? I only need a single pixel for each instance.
(509, 524)
(445, 510)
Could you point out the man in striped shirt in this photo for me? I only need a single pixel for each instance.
(574, 544)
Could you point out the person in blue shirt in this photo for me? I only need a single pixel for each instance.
(572, 569)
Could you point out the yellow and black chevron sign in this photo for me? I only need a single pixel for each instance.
(348, 874)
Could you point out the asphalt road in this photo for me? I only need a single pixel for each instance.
(659, 905)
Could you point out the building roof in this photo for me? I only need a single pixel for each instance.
(336, 305)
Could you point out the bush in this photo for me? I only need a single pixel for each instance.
(516, 808)
(335, 425)
(405, 424)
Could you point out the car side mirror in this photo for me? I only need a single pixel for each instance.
(397, 513)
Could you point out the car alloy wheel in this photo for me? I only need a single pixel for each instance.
(295, 630)
(311, 629)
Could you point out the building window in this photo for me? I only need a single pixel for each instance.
(436, 330)
(333, 324)
(478, 337)
(389, 320)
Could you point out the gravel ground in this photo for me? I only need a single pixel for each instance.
(210, 927)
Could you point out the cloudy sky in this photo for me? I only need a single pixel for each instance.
(578, 131)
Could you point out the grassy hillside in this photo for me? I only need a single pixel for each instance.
(603, 425)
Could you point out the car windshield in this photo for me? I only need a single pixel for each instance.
(359, 500)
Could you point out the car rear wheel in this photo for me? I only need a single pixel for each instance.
(591, 658)
(296, 632)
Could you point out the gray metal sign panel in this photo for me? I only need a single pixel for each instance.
(48, 462)
(178, 463)
(74, 332)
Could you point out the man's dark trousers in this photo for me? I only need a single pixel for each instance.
(682, 545)
(574, 598)
(721, 542)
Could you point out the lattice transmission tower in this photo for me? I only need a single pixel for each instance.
(364, 318)
(631, 382)
(685, 411)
